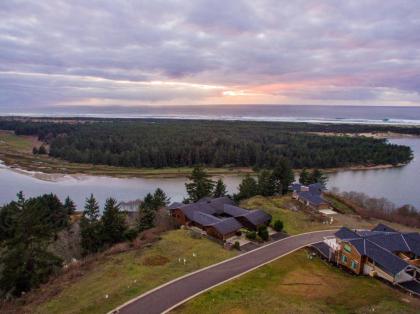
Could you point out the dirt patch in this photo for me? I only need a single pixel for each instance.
(156, 260)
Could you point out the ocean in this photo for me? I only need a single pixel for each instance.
(298, 113)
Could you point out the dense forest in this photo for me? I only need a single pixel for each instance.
(176, 143)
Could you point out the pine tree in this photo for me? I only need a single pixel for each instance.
(220, 189)
(147, 213)
(283, 176)
(266, 183)
(304, 177)
(90, 227)
(25, 261)
(247, 188)
(318, 176)
(113, 222)
(69, 206)
(201, 185)
(160, 199)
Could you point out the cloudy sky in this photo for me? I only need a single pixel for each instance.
(134, 53)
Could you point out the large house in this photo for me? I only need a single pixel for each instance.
(310, 195)
(218, 217)
(382, 252)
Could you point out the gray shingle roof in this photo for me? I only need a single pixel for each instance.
(227, 226)
(312, 198)
(388, 261)
(234, 211)
(257, 217)
(345, 233)
(383, 228)
(205, 219)
(380, 244)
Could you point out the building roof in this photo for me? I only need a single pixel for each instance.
(227, 226)
(295, 187)
(204, 212)
(345, 233)
(388, 261)
(380, 244)
(234, 211)
(257, 217)
(316, 188)
(383, 228)
(205, 219)
(312, 198)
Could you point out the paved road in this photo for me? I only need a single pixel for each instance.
(174, 293)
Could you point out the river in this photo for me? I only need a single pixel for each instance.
(400, 185)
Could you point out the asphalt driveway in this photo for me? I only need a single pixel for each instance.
(174, 293)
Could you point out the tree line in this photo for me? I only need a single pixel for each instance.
(29, 226)
(163, 143)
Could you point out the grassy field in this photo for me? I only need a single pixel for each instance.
(16, 151)
(294, 221)
(297, 284)
(126, 275)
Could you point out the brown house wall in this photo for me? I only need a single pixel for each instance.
(214, 233)
(353, 255)
(180, 217)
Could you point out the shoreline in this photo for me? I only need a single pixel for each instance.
(20, 159)
(165, 173)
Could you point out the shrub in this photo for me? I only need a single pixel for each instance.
(130, 234)
(278, 225)
(237, 245)
(251, 235)
(263, 233)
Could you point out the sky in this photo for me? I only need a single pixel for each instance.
(103, 53)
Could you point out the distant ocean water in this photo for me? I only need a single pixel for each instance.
(301, 113)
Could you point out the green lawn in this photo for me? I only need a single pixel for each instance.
(126, 275)
(295, 222)
(297, 284)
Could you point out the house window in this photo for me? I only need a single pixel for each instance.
(353, 265)
(344, 259)
(347, 248)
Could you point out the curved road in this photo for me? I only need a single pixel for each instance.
(178, 291)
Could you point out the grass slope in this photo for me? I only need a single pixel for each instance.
(294, 221)
(126, 275)
(296, 284)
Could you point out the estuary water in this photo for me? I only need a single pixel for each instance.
(400, 185)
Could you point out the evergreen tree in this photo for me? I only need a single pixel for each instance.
(266, 183)
(69, 206)
(160, 199)
(304, 177)
(90, 227)
(26, 232)
(220, 189)
(201, 185)
(283, 176)
(147, 213)
(113, 222)
(318, 176)
(247, 188)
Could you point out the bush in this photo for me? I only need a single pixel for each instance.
(130, 234)
(237, 245)
(42, 150)
(263, 233)
(251, 235)
(278, 225)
